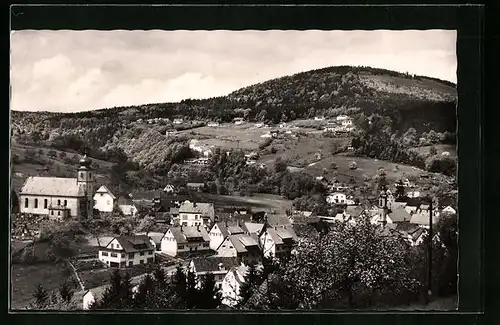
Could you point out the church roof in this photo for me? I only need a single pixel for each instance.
(52, 186)
(103, 189)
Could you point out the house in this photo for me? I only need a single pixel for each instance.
(169, 189)
(195, 186)
(253, 228)
(329, 129)
(277, 241)
(336, 198)
(421, 218)
(126, 206)
(185, 240)
(104, 199)
(177, 121)
(399, 214)
(213, 124)
(218, 266)
(239, 120)
(413, 194)
(59, 197)
(171, 133)
(126, 251)
(448, 210)
(319, 118)
(243, 247)
(231, 285)
(92, 295)
(194, 214)
(220, 231)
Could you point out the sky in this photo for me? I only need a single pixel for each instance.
(69, 71)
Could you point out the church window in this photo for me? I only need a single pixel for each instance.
(25, 203)
(82, 175)
(58, 202)
(36, 203)
(65, 202)
(45, 202)
(58, 213)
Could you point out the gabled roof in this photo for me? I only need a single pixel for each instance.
(133, 244)
(237, 244)
(52, 186)
(253, 228)
(233, 230)
(104, 189)
(193, 207)
(243, 242)
(191, 233)
(211, 264)
(178, 235)
(274, 236)
(422, 218)
(97, 292)
(398, 214)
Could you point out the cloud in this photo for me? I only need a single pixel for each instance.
(81, 70)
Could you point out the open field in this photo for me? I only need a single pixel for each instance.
(366, 168)
(25, 279)
(230, 136)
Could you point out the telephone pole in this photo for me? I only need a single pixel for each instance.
(429, 252)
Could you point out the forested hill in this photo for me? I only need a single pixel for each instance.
(409, 100)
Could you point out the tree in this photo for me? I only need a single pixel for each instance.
(191, 295)
(118, 295)
(432, 151)
(41, 296)
(147, 224)
(209, 296)
(180, 283)
(65, 292)
(62, 155)
(249, 286)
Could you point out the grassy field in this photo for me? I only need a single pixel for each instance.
(256, 202)
(25, 279)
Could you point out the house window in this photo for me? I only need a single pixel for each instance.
(142, 254)
(141, 262)
(122, 264)
(90, 175)
(25, 203)
(131, 255)
(180, 246)
(131, 263)
(65, 202)
(104, 253)
(45, 202)
(58, 202)
(82, 175)
(112, 245)
(150, 252)
(102, 194)
(205, 244)
(36, 203)
(184, 223)
(52, 212)
(150, 260)
(114, 255)
(58, 213)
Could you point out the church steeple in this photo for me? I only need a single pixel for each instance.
(85, 179)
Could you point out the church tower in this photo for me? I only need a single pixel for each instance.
(85, 179)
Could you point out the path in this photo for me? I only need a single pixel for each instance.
(76, 274)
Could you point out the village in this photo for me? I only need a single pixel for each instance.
(205, 237)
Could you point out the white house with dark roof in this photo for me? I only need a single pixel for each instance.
(127, 206)
(448, 210)
(336, 198)
(92, 295)
(219, 232)
(218, 266)
(193, 214)
(59, 197)
(127, 251)
(185, 240)
(104, 199)
(244, 247)
(276, 241)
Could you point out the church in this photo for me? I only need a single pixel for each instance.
(58, 197)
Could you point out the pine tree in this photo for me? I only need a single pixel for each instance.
(126, 294)
(191, 297)
(145, 291)
(180, 283)
(209, 296)
(160, 278)
(111, 298)
(41, 296)
(65, 292)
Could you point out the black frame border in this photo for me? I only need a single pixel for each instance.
(468, 20)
